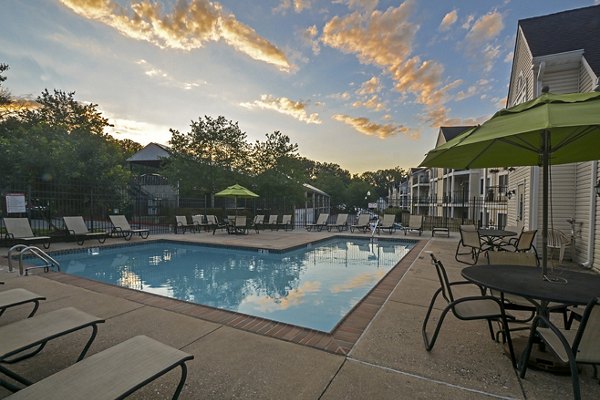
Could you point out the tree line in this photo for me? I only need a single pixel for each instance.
(61, 140)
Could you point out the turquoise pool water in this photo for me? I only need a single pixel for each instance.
(312, 287)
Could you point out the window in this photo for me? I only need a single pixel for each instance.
(520, 89)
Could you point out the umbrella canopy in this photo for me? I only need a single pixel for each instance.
(549, 130)
(236, 191)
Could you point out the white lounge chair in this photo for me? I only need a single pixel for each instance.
(362, 223)
(286, 222)
(182, 223)
(122, 228)
(388, 223)
(16, 297)
(341, 223)
(19, 230)
(320, 224)
(114, 373)
(76, 226)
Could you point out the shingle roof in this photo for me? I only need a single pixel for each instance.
(566, 31)
(450, 132)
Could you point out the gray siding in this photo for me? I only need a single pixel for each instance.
(564, 81)
(521, 65)
(582, 211)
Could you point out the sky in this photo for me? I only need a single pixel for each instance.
(365, 84)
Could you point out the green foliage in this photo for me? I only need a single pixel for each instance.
(61, 141)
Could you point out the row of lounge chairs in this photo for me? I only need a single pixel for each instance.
(233, 225)
(110, 374)
(19, 230)
(364, 224)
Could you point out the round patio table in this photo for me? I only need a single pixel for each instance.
(579, 288)
(490, 235)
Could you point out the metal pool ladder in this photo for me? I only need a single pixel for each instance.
(23, 249)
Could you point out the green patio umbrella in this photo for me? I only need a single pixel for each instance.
(236, 191)
(549, 130)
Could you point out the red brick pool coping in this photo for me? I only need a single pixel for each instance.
(340, 341)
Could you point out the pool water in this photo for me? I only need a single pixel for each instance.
(312, 287)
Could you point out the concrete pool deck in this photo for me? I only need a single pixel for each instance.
(387, 359)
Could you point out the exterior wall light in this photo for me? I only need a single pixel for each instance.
(597, 187)
(513, 192)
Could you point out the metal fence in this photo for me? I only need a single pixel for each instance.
(46, 204)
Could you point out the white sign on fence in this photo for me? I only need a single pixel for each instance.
(373, 205)
(15, 203)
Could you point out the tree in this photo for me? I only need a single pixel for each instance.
(61, 141)
(4, 93)
(381, 180)
(208, 157)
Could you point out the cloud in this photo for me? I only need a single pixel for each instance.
(166, 79)
(385, 39)
(471, 91)
(372, 102)
(448, 20)
(283, 105)
(138, 131)
(189, 26)
(468, 22)
(369, 87)
(310, 35)
(297, 5)
(293, 298)
(365, 126)
(486, 27)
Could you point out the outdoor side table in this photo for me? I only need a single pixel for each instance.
(491, 235)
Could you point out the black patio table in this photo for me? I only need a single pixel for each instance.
(490, 235)
(575, 288)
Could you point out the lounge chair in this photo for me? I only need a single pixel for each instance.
(341, 223)
(258, 222)
(19, 230)
(26, 338)
(388, 223)
(239, 225)
(114, 373)
(199, 222)
(76, 226)
(182, 224)
(468, 308)
(272, 222)
(214, 224)
(320, 224)
(122, 228)
(571, 346)
(286, 223)
(16, 297)
(362, 223)
(415, 224)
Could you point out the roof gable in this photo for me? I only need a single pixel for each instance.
(564, 32)
(152, 152)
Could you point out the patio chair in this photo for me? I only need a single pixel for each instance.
(341, 223)
(572, 347)
(20, 231)
(519, 303)
(272, 222)
(320, 224)
(122, 228)
(182, 224)
(467, 308)
(470, 244)
(17, 297)
(286, 223)
(362, 223)
(558, 240)
(258, 222)
(76, 227)
(523, 243)
(388, 223)
(26, 338)
(415, 224)
(114, 373)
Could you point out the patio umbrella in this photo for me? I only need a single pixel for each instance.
(236, 191)
(549, 130)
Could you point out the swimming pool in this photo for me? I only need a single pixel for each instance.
(312, 287)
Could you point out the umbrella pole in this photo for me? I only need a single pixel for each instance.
(545, 171)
